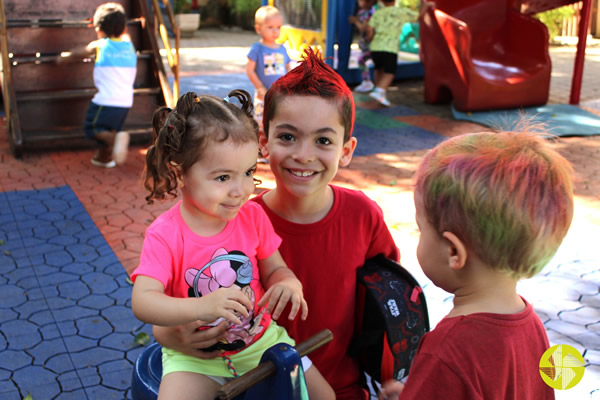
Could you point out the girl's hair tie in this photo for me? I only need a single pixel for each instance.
(197, 99)
(226, 99)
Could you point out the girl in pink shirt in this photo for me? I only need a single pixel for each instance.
(210, 258)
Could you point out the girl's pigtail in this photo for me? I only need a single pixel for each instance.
(245, 100)
(160, 178)
(247, 106)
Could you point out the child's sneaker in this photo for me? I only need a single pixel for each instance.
(379, 95)
(120, 147)
(102, 164)
(364, 87)
(103, 159)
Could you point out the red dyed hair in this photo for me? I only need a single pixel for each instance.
(312, 78)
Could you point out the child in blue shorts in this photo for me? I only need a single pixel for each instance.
(115, 68)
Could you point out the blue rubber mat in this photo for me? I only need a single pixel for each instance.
(66, 326)
(393, 140)
(219, 84)
(558, 119)
(377, 130)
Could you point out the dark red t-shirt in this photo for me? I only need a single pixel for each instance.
(325, 256)
(481, 356)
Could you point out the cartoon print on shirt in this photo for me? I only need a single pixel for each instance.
(226, 269)
(274, 64)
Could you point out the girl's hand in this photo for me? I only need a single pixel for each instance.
(390, 390)
(225, 303)
(189, 340)
(285, 291)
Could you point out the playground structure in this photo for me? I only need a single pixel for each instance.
(324, 24)
(46, 102)
(489, 54)
(482, 54)
(278, 376)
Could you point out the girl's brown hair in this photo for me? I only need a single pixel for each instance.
(181, 135)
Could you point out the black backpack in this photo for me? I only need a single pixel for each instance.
(392, 319)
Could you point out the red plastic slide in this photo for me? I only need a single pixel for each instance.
(484, 54)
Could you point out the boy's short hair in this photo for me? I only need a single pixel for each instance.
(312, 77)
(263, 13)
(508, 196)
(110, 18)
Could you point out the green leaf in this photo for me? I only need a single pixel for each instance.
(6, 252)
(2, 242)
(142, 339)
(28, 397)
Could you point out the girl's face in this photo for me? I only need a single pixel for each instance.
(215, 187)
(305, 145)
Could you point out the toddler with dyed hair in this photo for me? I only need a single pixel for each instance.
(492, 208)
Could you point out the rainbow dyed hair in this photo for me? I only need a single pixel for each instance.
(312, 78)
(508, 196)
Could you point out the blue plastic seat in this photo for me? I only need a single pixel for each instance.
(147, 373)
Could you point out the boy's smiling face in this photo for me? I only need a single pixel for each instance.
(305, 145)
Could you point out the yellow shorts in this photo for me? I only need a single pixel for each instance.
(244, 361)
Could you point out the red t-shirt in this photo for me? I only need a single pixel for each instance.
(325, 256)
(481, 356)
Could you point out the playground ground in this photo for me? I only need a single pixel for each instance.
(65, 324)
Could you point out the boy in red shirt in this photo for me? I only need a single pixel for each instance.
(328, 231)
(492, 208)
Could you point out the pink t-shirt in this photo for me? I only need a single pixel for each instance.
(189, 265)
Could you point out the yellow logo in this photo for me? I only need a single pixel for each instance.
(561, 367)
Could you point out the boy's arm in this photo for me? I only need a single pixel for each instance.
(251, 72)
(361, 26)
(282, 287)
(424, 6)
(151, 305)
(370, 32)
(79, 52)
(382, 241)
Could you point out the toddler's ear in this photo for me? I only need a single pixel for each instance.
(176, 168)
(347, 151)
(457, 251)
(262, 143)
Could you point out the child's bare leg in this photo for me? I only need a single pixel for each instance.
(385, 80)
(187, 386)
(317, 386)
(106, 137)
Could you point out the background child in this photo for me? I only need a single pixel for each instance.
(267, 60)
(208, 258)
(114, 74)
(385, 26)
(492, 208)
(328, 231)
(361, 21)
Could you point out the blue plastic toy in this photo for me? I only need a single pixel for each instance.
(409, 37)
(278, 376)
